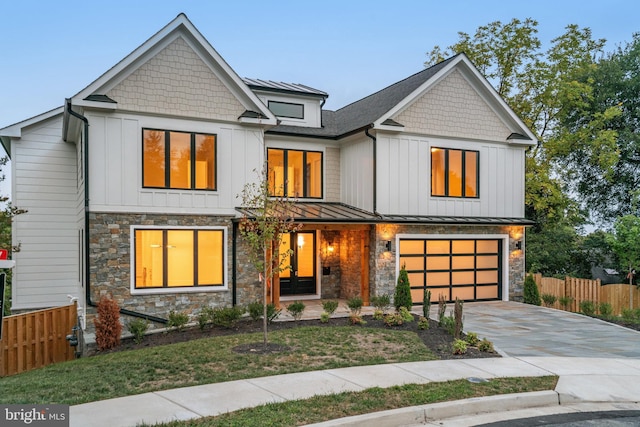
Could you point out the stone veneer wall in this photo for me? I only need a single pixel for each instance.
(330, 283)
(110, 257)
(383, 275)
(350, 258)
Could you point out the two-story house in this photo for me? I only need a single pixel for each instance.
(131, 186)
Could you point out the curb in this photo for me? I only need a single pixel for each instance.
(439, 411)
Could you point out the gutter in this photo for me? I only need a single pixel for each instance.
(87, 258)
(375, 169)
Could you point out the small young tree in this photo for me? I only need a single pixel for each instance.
(267, 217)
(531, 294)
(108, 326)
(402, 297)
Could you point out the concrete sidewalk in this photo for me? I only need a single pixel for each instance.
(582, 380)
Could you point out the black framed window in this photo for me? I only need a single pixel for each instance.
(168, 258)
(295, 173)
(180, 160)
(455, 173)
(286, 109)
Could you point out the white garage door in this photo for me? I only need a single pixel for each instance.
(470, 270)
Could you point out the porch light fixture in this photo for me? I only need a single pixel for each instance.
(518, 244)
(330, 250)
(387, 245)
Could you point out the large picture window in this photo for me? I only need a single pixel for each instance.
(454, 173)
(171, 258)
(178, 160)
(295, 173)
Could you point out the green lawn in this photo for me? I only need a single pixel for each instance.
(323, 408)
(207, 361)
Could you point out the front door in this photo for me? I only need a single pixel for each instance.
(300, 277)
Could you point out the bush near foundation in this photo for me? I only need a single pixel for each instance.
(108, 326)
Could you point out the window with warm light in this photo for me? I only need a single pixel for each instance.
(454, 173)
(295, 173)
(174, 258)
(179, 160)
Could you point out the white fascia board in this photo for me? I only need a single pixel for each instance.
(111, 106)
(15, 130)
(254, 121)
(388, 128)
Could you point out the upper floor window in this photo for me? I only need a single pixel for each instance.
(454, 173)
(179, 160)
(286, 109)
(295, 173)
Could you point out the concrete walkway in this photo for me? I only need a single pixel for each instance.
(596, 362)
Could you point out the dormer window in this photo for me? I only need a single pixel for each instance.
(287, 109)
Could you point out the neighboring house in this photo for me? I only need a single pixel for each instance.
(131, 187)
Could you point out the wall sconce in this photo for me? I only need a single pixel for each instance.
(518, 245)
(388, 246)
(330, 250)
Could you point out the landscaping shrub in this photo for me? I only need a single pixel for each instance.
(423, 323)
(531, 294)
(606, 310)
(330, 306)
(393, 319)
(296, 309)
(565, 302)
(442, 309)
(459, 346)
(472, 339)
(407, 317)
(226, 316)
(255, 310)
(449, 324)
(426, 303)
(588, 308)
(402, 297)
(324, 317)
(138, 328)
(177, 320)
(204, 317)
(355, 305)
(356, 319)
(486, 346)
(549, 299)
(381, 302)
(107, 323)
(378, 314)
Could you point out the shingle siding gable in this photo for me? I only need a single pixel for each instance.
(452, 108)
(177, 82)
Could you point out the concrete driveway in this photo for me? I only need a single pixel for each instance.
(518, 329)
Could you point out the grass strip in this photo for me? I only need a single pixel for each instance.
(324, 408)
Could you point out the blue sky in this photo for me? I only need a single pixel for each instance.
(52, 49)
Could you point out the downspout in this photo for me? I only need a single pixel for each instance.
(375, 169)
(234, 250)
(324, 101)
(87, 258)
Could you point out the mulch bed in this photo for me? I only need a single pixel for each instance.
(437, 339)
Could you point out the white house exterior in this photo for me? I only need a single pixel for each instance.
(426, 173)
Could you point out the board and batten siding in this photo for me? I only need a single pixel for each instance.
(45, 183)
(116, 166)
(356, 173)
(404, 178)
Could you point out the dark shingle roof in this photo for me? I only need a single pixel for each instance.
(362, 113)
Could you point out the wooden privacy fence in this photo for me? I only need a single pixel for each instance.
(36, 339)
(588, 290)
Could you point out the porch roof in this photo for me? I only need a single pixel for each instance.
(327, 212)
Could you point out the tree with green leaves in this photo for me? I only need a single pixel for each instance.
(625, 241)
(267, 218)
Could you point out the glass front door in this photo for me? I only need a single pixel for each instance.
(300, 277)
